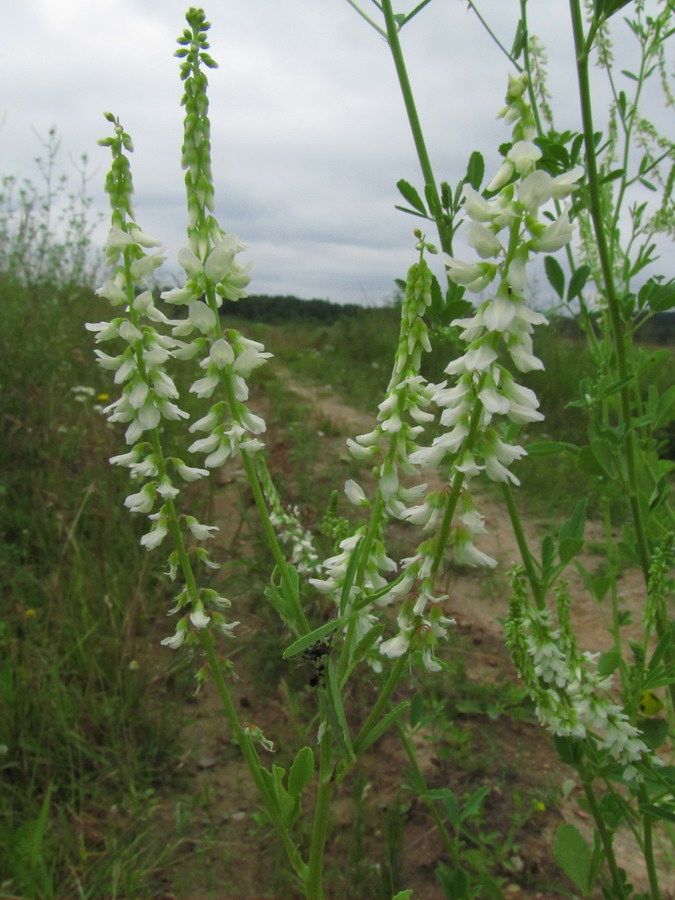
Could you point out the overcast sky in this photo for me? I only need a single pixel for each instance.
(309, 133)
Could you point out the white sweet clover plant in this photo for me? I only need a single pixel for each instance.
(506, 231)
(227, 358)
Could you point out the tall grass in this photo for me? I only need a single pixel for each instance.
(79, 733)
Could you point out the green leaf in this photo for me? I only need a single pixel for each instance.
(612, 176)
(573, 855)
(474, 801)
(665, 641)
(547, 553)
(451, 808)
(379, 729)
(475, 170)
(654, 731)
(411, 196)
(665, 411)
(571, 534)
(301, 772)
(336, 712)
(609, 662)
(308, 640)
(659, 297)
(403, 895)
(549, 448)
(599, 586)
(455, 882)
(555, 275)
(577, 282)
(410, 212)
(665, 812)
(416, 709)
(518, 40)
(287, 805)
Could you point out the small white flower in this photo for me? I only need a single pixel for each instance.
(555, 236)
(395, 646)
(466, 554)
(201, 532)
(202, 316)
(483, 240)
(143, 501)
(156, 535)
(221, 353)
(177, 639)
(476, 206)
(355, 494)
(189, 473)
(535, 190)
(198, 617)
(190, 263)
(219, 261)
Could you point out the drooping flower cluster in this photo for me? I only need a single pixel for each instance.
(408, 395)
(212, 275)
(400, 421)
(288, 527)
(148, 392)
(571, 698)
(505, 230)
(483, 389)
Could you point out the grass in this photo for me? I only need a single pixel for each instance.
(91, 713)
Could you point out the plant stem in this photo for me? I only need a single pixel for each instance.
(621, 339)
(521, 540)
(382, 701)
(605, 837)
(251, 756)
(314, 880)
(431, 190)
(450, 845)
(648, 848)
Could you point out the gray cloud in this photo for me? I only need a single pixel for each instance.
(308, 128)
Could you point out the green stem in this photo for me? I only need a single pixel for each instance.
(380, 704)
(450, 845)
(300, 626)
(472, 6)
(621, 340)
(314, 880)
(521, 540)
(431, 190)
(251, 756)
(648, 848)
(605, 837)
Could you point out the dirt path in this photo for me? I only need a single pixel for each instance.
(238, 844)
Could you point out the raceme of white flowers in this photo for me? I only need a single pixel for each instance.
(571, 698)
(148, 390)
